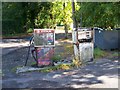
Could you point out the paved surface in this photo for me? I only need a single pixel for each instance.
(102, 74)
(9, 45)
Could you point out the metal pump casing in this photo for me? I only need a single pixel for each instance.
(83, 44)
(44, 43)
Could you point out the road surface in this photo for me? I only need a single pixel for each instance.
(101, 74)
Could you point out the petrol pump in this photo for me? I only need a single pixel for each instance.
(83, 44)
(44, 43)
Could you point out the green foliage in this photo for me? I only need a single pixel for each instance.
(116, 54)
(62, 14)
(19, 17)
(76, 62)
(12, 18)
(98, 53)
(45, 18)
(68, 49)
(15, 68)
(99, 14)
(30, 30)
(56, 58)
(57, 67)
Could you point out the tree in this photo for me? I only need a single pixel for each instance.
(12, 21)
(62, 12)
(19, 17)
(73, 12)
(100, 14)
(45, 19)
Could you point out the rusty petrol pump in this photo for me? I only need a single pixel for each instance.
(83, 44)
(44, 44)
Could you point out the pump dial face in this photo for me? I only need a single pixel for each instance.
(44, 37)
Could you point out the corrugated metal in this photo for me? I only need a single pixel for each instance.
(107, 39)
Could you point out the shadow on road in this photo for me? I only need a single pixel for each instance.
(103, 73)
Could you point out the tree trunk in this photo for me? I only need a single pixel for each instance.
(73, 12)
(65, 25)
(66, 31)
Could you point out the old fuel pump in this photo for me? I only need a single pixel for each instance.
(44, 43)
(83, 44)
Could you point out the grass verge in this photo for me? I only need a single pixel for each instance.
(57, 67)
(98, 53)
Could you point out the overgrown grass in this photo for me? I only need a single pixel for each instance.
(15, 68)
(57, 67)
(68, 50)
(33, 63)
(98, 53)
(116, 54)
(56, 58)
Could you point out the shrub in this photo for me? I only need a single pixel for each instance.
(56, 58)
(30, 30)
(98, 53)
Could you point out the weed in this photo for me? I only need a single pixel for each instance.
(30, 30)
(115, 54)
(15, 68)
(76, 62)
(33, 63)
(98, 53)
(68, 49)
(57, 67)
(56, 58)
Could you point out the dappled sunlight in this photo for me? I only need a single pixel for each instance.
(69, 73)
(108, 82)
(84, 82)
(89, 76)
(95, 75)
(11, 45)
(65, 41)
(80, 80)
(76, 86)
(56, 76)
(66, 60)
(76, 76)
(57, 43)
(62, 42)
(64, 48)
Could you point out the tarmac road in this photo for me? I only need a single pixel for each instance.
(102, 74)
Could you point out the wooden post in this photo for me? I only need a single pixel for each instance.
(74, 32)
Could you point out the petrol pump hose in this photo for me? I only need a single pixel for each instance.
(30, 43)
